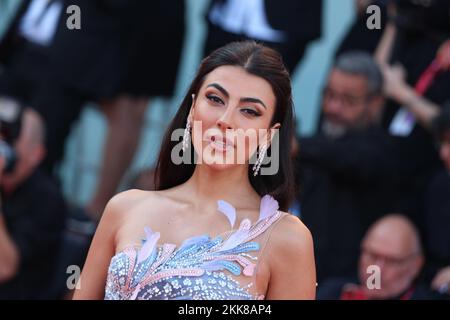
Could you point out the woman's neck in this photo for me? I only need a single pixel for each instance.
(232, 185)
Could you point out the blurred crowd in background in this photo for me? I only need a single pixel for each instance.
(373, 179)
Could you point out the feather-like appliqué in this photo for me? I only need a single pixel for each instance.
(196, 240)
(237, 237)
(167, 271)
(215, 265)
(151, 238)
(228, 210)
(268, 207)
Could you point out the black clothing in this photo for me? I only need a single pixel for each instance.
(359, 37)
(120, 49)
(300, 20)
(437, 224)
(345, 185)
(35, 215)
(416, 151)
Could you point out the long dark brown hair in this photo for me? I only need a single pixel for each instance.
(260, 61)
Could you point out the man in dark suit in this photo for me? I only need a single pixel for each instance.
(437, 210)
(348, 169)
(32, 209)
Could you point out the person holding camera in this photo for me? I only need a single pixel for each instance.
(414, 56)
(437, 210)
(32, 209)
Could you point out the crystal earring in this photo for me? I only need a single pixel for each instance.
(187, 131)
(187, 136)
(260, 159)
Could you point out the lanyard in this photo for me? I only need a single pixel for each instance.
(440, 63)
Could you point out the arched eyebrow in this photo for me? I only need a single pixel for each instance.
(253, 100)
(226, 94)
(220, 88)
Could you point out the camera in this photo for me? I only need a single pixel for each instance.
(11, 113)
(9, 154)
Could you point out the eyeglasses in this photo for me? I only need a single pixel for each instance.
(442, 143)
(346, 100)
(389, 260)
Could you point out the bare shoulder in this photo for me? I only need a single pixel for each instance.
(291, 261)
(128, 212)
(126, 200)
(125, 203)
(291, 237)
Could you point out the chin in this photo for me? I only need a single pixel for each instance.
(221, 167)
(333, 129)
(219, 162)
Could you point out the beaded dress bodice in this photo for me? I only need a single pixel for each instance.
(223, 267)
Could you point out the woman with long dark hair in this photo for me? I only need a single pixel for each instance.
(215, 228)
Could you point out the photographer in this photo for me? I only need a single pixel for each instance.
(437, 210)
(413, 54)
(346, 171)
(32, 209)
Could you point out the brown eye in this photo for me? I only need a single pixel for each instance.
(251, 112)
(214, 98)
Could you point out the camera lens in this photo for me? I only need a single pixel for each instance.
(8, 153)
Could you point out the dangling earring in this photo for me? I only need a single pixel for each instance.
(186, 136)
(260, 159)
(187, 132)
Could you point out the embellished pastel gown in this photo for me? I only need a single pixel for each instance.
(220, 268)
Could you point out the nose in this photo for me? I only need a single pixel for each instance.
(333, 106)
(380, 262)
(225, 121)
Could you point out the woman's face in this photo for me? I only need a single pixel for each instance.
(231, 115)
